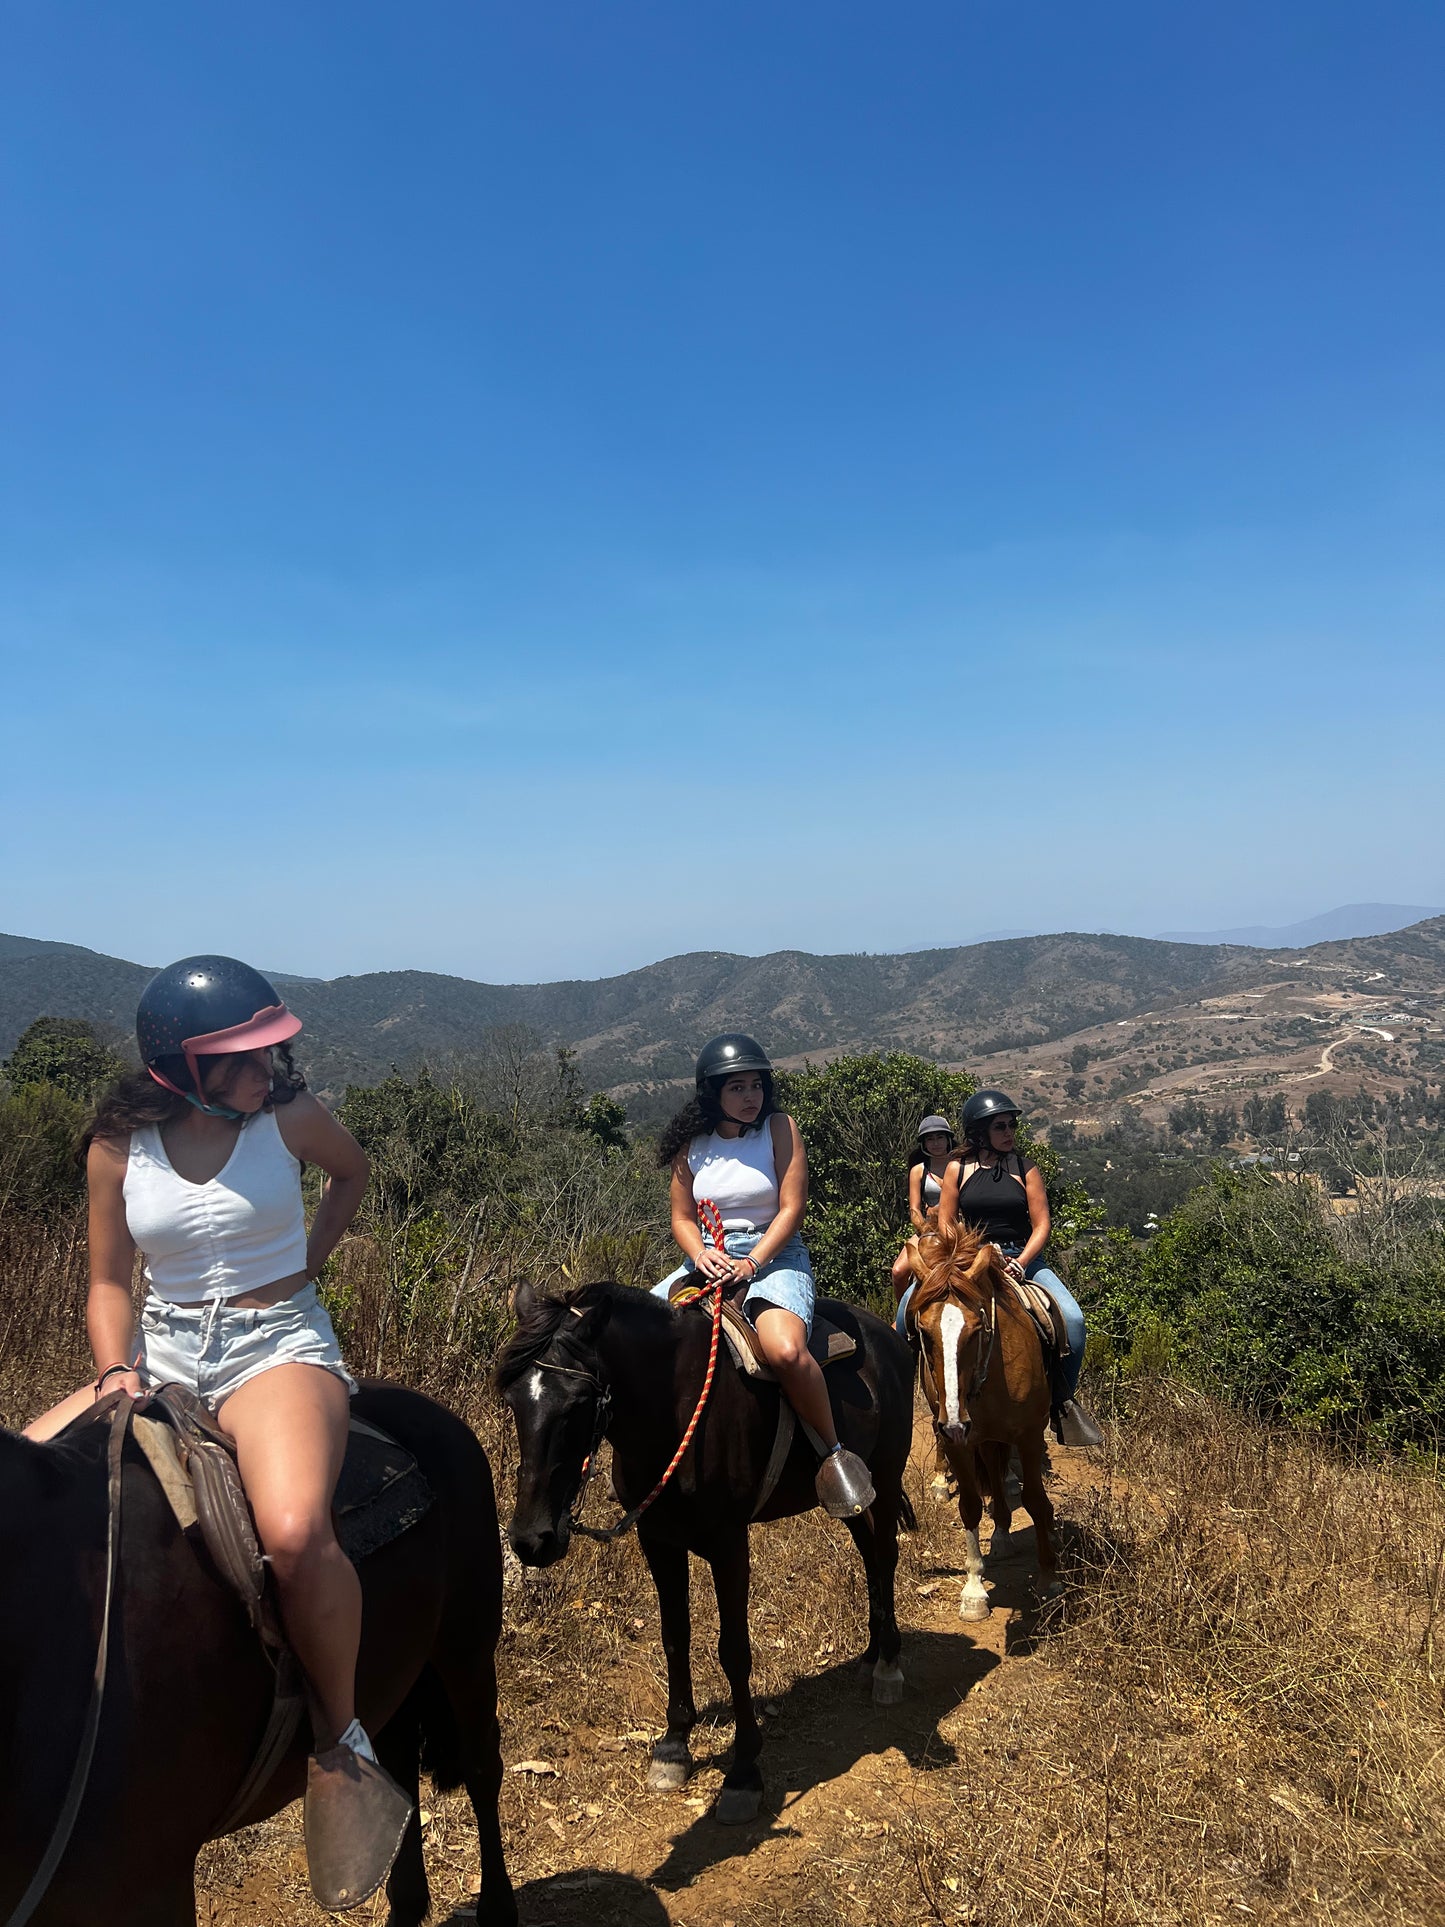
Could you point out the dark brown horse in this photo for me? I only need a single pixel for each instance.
(985, 1379)
(188, 1689)
(606, 1361)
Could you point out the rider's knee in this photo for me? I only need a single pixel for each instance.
(294, 1539)
(786, 1354)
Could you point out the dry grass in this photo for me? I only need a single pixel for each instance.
(1236, 1713)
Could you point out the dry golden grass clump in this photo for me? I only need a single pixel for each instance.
(1237, 1715)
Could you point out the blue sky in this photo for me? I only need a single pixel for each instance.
(529, 490)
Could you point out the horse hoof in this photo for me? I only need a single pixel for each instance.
(736, 1805)
(1001, 1545)
(973, 1605)
(887, 1684)
(668, 1776)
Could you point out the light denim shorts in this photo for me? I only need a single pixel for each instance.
(214, 1348)
(785, 1281)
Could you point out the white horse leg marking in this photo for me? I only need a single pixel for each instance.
(887, 1683)
(950, 1330)
(973, 1602)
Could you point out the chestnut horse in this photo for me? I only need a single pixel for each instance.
(985, 1379)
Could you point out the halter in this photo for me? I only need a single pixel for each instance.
(712, 1222)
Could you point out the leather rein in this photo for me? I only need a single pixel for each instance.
(40, 1880)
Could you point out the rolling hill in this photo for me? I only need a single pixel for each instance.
(1011, 1002)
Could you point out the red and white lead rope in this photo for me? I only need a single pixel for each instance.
(710, 1218)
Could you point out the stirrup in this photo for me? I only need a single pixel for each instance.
(1074, 1426)
(843, 1485)
(355, 1817)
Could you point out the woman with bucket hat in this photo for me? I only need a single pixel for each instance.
(925, 1187)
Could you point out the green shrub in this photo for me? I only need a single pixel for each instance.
(1251, 1290)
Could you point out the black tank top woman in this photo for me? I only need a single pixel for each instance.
(993, 1202)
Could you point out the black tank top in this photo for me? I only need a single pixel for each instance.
(993, 1200)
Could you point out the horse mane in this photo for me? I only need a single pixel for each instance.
(547, 1321)
(964, 1266)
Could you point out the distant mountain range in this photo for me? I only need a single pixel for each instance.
(1334, 926)
(643, 1028)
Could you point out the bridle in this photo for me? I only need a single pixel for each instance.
(988, 1331)
(988, 1321)
(604, 1407)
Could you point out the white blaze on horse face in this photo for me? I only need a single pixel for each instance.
(950, 1330)
(533, 1383)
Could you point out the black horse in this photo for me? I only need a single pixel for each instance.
(188, 1690)
(649, 1362)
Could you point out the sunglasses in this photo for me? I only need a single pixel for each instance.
(1003, 1124)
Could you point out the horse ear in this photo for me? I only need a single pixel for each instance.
(590, 1320)
(524, 1301)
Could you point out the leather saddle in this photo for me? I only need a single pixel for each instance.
(828, 1342)
(380, 1494)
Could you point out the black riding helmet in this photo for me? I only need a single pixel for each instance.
(725, 1056)
(983, 1107)
(934, 1124)
(206, 1007)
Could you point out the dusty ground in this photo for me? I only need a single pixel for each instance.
(1236, 1711)
(588, 1843)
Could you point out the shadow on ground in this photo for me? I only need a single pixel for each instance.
(810, 1742)
(586, 1897)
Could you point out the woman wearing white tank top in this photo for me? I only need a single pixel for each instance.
(195, 1163)
(731, 1147)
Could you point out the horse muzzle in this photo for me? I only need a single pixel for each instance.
(956, 1434)
(541, 1548)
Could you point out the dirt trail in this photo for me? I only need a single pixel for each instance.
(589, 1844)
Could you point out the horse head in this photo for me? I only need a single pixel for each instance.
(551, 1377)
(954, 1306)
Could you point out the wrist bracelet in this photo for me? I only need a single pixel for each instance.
(110, 1372)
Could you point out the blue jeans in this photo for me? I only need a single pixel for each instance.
(1070, 1310)
(786, 1280)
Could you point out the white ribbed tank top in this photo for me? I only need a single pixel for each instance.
(739, 1175)
(243, 1229)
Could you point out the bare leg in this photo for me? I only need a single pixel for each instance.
(784, 1339)
(290, 1428)
(901, 1274)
